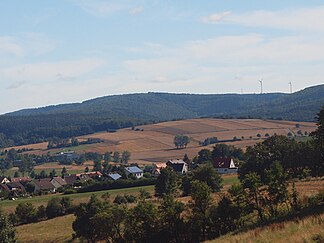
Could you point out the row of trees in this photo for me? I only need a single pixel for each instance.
(169, 220)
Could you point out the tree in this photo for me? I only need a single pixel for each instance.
(166, 183)
(116, 157)
(97, 165)
(172, 226)
(253, 182)
(277, 186)
(204, 156)
(200, 204)
(74, 142)
(181, 141)
(84, 225)
(25, 212)
(52, 173)
(26, 165)
(107, 157)
(54, 208)
(142, 223)
(125, 157)
(64, 171)
(16, 174)
(209, 175)
(7, 231)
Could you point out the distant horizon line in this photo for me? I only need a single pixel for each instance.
(154, 92)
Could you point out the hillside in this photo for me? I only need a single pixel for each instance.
(119, 111)
(154, 143)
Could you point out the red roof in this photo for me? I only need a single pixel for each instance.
(222, 162)
(44, 184)
(20, 179)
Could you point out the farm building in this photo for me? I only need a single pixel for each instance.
(135, 171)
(114, 176)
(225, 165)
(178, 165)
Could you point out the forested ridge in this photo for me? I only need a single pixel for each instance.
(118, 111)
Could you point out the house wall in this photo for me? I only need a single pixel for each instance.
(226, 170)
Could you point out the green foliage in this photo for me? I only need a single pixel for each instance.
(7, 231)
(25, 213)
(181, 141)
(125, 157)
(206, 173)
(166, 183)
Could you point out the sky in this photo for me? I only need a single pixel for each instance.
(64, 51)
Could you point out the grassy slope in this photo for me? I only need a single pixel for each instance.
(290, 231)
(53, 230)
(9, 206)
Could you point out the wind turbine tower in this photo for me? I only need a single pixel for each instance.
(261, 84)
(290, 86)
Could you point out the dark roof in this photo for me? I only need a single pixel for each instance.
(60, 180)
(178, 167)
(222, 162)
(15, 186)
(71, 179)
(44, 184)
(4, 187)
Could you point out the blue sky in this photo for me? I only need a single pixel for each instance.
(66, 51)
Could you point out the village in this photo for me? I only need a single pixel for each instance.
(15, 187)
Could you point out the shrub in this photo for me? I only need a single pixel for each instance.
(120, 199)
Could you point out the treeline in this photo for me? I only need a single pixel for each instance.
(73, 142)
(22, 130)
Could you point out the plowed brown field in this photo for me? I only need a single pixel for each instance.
(155, 142)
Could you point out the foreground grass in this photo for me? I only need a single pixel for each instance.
(299, 230)
(53, 230)
(10, 206)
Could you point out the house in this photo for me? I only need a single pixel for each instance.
(58, 182)
(13, 187)
(114, 176)
(178, 165)
(157, 168)
(16, 186)
(44, 185)
(135, 171)
(72, 179)
(21, 179)
(92, 174)
(224, 165)
(4, 180)
(66, 156)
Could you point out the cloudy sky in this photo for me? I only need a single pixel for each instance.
(63, 51)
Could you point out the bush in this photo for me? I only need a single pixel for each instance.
(69, 191)
(120, 199)
(130, 198)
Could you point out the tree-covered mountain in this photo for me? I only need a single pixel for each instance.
(114, 112)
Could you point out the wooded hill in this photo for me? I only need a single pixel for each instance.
(118, 111)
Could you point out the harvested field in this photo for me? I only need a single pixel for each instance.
(155, 142)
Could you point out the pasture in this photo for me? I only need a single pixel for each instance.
(155, 142)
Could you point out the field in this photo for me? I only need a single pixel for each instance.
(301, 230)
(155, 142)
(60, 229)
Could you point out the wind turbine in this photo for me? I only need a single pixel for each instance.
(290, 85)
(261, 84)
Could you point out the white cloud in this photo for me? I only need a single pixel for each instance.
(136, 10)
(47, 71)
(215, 18)
(8, 45)
(295, 19)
